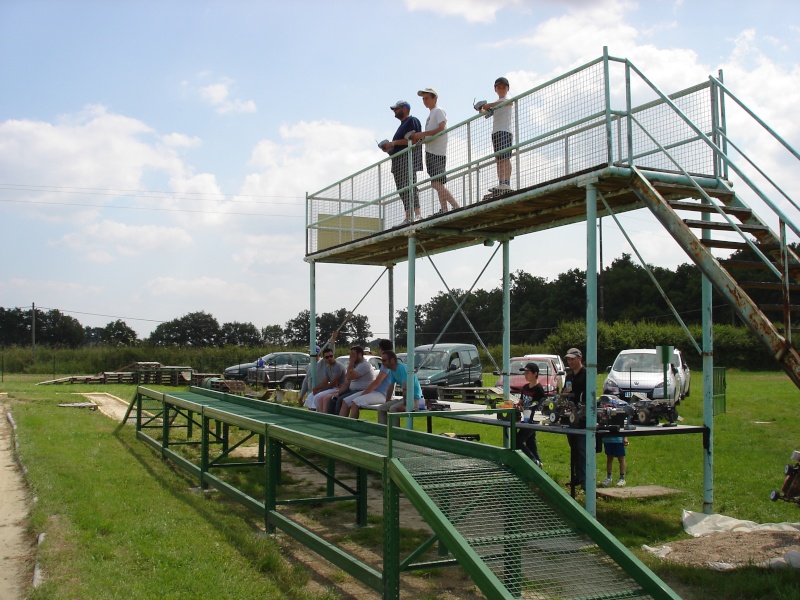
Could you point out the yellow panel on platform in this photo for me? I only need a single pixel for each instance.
(339, 229)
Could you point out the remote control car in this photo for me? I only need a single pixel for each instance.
(611, 411)
(790, 491)
(648, 411)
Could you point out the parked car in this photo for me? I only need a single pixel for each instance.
(640, 370)
(550, 376)
(283, 369)
(374, 361)
(447, 365)
(684, 374)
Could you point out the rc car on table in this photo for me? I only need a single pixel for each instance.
(790, 491)
(648, 411)
(611, 411)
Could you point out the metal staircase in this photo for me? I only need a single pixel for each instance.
(777, 261)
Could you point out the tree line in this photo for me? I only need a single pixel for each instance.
(538, 306)
(54, 329)
(626, 294)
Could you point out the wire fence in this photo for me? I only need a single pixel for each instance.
(571, 124)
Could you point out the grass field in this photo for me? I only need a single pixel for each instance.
(122, 523)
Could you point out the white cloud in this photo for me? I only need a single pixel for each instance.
(105, 240)
(483, 11)
(218, 96)
(285, 169)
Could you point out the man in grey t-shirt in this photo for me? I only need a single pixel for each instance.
(357, 378)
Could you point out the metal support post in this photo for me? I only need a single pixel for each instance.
(591, 346)
(273, 478)
(361, 503)
(204, 451)
(708, 383)
(391, 304)
(411, 326)
(312, 322)
(506, 321)
(391, 536)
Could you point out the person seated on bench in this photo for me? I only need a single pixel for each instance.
(329, 374)
(398, 375)
(377, 392)
(358, 377)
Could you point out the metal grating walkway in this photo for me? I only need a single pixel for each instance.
(513, 529)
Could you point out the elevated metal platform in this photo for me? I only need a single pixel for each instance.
(511, 528)
(537, 208)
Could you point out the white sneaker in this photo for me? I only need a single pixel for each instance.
(503, 188)
(606, 482)
(621, 482)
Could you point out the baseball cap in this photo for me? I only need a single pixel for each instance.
(574, 353)
(428, 91)
(531, 366)
(400, 103)
(502, 80)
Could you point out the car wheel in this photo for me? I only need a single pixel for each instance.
(289, 384)
(774, 495)
(553, 417)
(643, 415)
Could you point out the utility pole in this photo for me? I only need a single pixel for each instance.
(602, 303)
(33, 330)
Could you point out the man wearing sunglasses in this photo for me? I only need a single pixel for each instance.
(329, 374)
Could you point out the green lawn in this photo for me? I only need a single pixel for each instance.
(122, 523)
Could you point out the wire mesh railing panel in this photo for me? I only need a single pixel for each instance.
(526, 543)
(658, 122)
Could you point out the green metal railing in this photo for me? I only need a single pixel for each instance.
(491, 510)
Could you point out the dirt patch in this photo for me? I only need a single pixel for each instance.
(16, 554)
(736, 548)
(637, 491)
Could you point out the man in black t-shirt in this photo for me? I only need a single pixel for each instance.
(575, 386)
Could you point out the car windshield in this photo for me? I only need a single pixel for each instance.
(426, 359)
(638, 362)
(545, 366)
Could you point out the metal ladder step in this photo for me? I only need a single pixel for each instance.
(738, 211)
(723, 244)
(718, 226)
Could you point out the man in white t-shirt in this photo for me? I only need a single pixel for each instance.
(502, 134)
(435, 147)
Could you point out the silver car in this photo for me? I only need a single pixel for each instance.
(641, 370)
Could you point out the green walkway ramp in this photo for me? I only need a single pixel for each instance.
(491, 510)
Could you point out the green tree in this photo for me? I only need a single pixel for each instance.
(15, 327)
(56, 329)
(198, 329)
(240, 334)
(117, 333)
(272, 335)
(296, 331)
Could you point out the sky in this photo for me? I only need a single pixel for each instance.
(155, 156)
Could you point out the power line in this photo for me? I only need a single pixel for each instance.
(116, 192)
(144, 208)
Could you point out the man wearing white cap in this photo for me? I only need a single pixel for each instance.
(435, 147)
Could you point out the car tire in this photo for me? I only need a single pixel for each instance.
(290, 384)
(774, 495)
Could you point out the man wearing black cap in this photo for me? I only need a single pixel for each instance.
(575, 387)
(531, 395)
(401, 140)
(502, 135)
